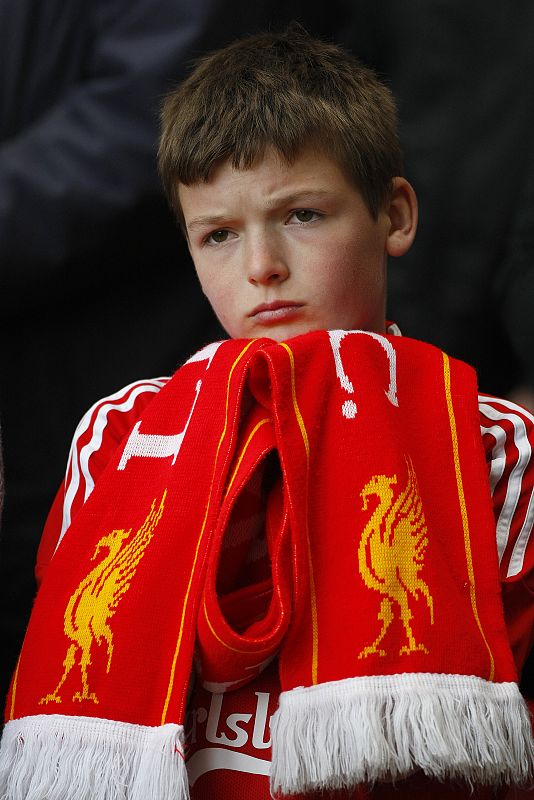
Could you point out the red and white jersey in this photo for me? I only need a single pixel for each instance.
(228, 734)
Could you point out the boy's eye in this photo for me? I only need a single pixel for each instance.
(217, 237)
(305, 215)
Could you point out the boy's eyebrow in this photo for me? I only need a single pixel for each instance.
(300, 196)
(204, 222)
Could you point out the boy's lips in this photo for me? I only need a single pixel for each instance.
(277, 311)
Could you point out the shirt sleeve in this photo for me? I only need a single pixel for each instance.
(96, 438)
(508, 436)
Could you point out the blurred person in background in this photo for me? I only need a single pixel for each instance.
(514, 283)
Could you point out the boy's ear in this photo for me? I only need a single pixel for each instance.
(402, 213)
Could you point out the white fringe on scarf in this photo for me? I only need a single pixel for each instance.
(361, 730)
(81, 758)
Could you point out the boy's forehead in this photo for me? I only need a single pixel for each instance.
(275, 177)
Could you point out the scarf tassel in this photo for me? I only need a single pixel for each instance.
(81, 758)
(383, 728)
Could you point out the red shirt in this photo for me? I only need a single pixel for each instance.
(228, 751)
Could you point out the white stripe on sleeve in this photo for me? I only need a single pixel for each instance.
(517, 558)
(487, 406)
(123, 400)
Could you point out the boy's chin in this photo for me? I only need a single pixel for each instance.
(283, 332)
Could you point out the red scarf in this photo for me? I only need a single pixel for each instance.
(354, 462)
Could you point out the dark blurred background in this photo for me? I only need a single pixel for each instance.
(97, 286)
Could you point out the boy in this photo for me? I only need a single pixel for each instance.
(280, 158)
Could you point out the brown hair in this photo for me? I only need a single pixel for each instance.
(283, 90)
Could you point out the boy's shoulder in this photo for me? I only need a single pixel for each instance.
(508, 435)
(104, 425)
(97, 435)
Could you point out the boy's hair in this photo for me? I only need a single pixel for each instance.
(285, 90)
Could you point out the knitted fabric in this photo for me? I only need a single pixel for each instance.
(352, 462)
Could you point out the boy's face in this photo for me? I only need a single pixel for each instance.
(282, 249)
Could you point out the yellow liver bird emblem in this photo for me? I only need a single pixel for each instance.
(96, 599)
(391, 555)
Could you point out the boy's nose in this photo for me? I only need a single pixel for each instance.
(266, 265)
